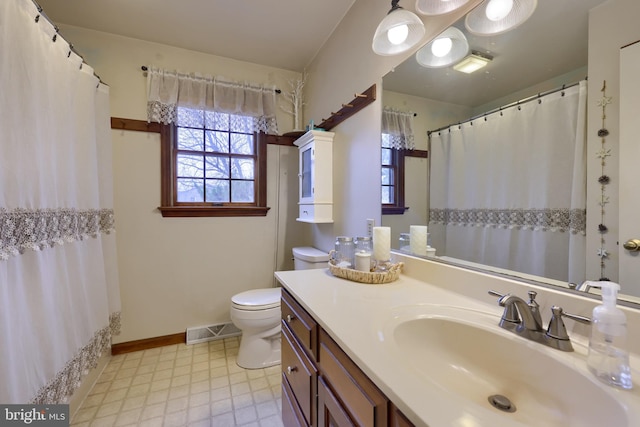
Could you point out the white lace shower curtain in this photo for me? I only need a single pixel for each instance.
(399, 126)
(509, 190)
(168, 90)
(59, 295)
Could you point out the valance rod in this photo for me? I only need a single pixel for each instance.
(504, 107)
(145, 68)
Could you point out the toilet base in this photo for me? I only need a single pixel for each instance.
(258, 353)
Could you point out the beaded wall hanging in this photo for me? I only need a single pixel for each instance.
(604, 180)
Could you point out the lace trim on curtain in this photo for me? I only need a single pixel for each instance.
(23, 229)
(69, 378)
(399, 126)
(168, 113)
(556, 220)
(162, 113)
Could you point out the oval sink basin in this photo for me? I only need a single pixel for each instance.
(467, 355)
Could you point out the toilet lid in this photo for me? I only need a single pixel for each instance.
(257, 299)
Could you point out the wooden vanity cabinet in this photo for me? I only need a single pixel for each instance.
(321, 385)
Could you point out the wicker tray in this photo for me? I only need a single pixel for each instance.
(370, 278)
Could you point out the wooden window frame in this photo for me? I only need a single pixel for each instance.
(398, 162)
(170, 208)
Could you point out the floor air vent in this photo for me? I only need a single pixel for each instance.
(212, 332)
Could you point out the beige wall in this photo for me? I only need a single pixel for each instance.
(180, 272)
(344, 66)
(611, 26)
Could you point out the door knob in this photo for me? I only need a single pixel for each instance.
(632, 245)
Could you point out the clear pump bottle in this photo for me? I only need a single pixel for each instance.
(608, 357)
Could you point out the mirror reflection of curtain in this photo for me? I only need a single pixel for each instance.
(59, 294)
(397, 126)
(509, 189)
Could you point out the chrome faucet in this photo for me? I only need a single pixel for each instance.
(524, 319)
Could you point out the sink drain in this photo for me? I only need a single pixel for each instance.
(502, 403)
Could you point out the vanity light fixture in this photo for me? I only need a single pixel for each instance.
(493, 17)
(438, 7)
(398, 32)
(446, 49)
(473, 62)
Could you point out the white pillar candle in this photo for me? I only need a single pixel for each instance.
(418, 239)
(382, 243)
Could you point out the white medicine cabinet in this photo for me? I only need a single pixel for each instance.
(315, 177)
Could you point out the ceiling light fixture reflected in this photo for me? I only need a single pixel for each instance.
(438, 7)
(472, 62)
(398, 32)
(493, 17)
(446, 49)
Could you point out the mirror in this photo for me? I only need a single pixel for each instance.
(544, 53)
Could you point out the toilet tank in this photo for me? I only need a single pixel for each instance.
(307, 258)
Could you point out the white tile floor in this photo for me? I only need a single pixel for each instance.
(183, 385)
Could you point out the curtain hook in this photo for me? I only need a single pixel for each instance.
(539, 100)
(37, 18)
(500, 111)
(562, 94)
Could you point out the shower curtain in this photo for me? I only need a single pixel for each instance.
(59, 296)
(508, 189)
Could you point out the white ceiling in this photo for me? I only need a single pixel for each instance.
(280, 33)
(551, 43)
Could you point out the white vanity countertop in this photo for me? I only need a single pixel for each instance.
(357, 316)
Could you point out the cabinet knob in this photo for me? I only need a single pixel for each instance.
(291, 369)
(290, 318)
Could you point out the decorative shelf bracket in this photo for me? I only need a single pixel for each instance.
(360, 101)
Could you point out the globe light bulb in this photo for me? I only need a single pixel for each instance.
(398, 34)
(498, 9)
(441, 47)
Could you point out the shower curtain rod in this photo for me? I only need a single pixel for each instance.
(144, 68)
(504, 107)
(57, 34)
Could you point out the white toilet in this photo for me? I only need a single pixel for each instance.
(257, 314)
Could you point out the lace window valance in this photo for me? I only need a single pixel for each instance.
(168, 90)
(399, 126)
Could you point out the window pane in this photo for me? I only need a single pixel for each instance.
(190, 118)
(217, 190)
(217, 121)
(387, 176)
(386, 140)
(217, 142)
(387, 156)
(217, 167)
(242, 168)
(190, 166)
(241, 143)
(190, 139)
(190, 190)
(387, 195)
(241, 124)
(242, 191)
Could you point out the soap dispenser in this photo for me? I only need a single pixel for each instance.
(608, 357)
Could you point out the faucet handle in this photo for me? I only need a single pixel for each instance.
(557, 328)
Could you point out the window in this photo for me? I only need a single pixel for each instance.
(213, 164)
(392, 178)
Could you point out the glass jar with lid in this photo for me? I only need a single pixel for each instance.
(344, 251)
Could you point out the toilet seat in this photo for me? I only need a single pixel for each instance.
(257, 299)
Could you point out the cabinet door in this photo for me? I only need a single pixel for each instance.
(292, 416)
(300, 375)
(360, 397)
(306, 173)
(330, 411)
